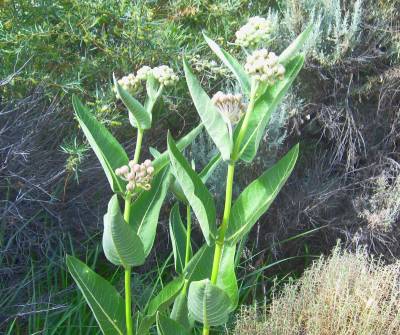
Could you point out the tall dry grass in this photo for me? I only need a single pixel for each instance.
(345, 294)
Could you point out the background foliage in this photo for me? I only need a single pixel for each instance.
(344, 110)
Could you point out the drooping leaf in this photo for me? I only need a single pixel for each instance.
(256, 198)
(209, 114)
(178, 232)
(138, 115)
(180, 311)
(167, 326)
(294, 47)
(231, 63)
(165, 297)
(162, 160)
(121, 245)
(208, 303)
(195, 191)
(200, 267)
(107, 305)
(145, 210)
(107, 149)
(264, 108)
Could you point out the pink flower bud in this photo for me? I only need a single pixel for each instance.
(131, 186)
(124, 169)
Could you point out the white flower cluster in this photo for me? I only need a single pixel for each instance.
(263, 66)
(230, 106)
(128, 83)
(165, 75)
(137, 175)
(257, 29)
(143, 73)
(131, 83)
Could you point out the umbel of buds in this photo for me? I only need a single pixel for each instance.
(230, 106)
(165, 75)
(263, 66)
(131, 83)
(257, 29)
(128, 83)
(137, 175)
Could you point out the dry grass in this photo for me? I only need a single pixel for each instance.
(346, 294)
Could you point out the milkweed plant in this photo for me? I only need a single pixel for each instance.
(204, 291)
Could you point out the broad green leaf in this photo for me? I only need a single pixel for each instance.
(162, 159)
(107, 305)
(154, 152)
(294, 48)
(195, 191)
(167, 326)
(145, 210)
(107, 149)
(200, 267)
(256, 198)
(263, 109)
(121, 245)
(210, 168)
(144, 323)
(165, 297)
(180, 311)
(154, 103)
(209, 114)
(138, 115)
(204, 175)
(231, 63)
(178, 232)
(208, 303)
(152, 87)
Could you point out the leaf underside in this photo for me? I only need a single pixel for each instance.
(107, 305)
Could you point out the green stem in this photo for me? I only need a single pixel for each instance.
(127, 215)
(139, 139)
(245, 124)
(128, 296)
(219, 245)
(225, 222)
(188, 232)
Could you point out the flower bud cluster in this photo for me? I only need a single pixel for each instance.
(143, 73)
(230, 106)
(263, 66)
(137, 175)
(131, 83)
(257, 29)
(213, 69)
(165, 75)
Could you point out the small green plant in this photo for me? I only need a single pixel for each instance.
(205, 289)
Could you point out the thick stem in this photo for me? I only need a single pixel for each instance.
(127, 215)
(219, 245)
(245, 124)
(139, 139)
(225, 222)
(128, 296)
(188, 232)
